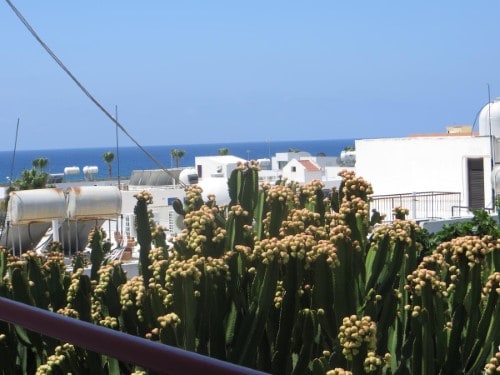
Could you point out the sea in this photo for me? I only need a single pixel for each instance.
(131, 158)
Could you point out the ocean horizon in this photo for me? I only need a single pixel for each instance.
(129, 158)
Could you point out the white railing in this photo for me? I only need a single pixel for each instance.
(429, 205)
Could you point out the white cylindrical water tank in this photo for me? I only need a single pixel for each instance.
(90, 169)
(38, 205)
(217, 187)
(489, 119)
(189, 176)
(265, 163)
(348, 156)
(71, 170)
(93, 202)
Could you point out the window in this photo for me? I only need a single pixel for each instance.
(294, 169)
(171, 221)
(170, 200)
(476, 183)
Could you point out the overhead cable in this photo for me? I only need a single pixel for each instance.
(88, 94)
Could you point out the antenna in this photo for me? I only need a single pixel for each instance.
(492, 158)
(117, 167)
(13, 155)
(117, 146)
(489, 108)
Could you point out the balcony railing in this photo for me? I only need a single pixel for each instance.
(422, 206)
(154, 356)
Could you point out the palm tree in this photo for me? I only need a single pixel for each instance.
(223, 151)
(34, 178)
(108, 158)
(177, 155)
(40, 163)
(31, 179)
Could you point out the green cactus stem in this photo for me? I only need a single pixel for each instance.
(144, 237)
(253, 324)
(96, 237)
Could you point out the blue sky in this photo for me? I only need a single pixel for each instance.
(229, 71)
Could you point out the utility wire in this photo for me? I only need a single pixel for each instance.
(13, 156)
(88, 94)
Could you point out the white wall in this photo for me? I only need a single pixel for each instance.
(417, 164)
(332, 173)
(298, 175)
(301, 174)
(281, 158)
(497, 150)
(322, 161)
(217, 166)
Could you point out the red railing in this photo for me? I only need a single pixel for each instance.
(150, 355)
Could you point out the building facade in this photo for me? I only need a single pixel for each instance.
(458, 161)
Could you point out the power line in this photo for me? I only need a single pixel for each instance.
(13, 155)
(87, 93)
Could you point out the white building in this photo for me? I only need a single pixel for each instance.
(322, 161)
(281, 159)
(216, 166)
(456, 162)
(286, 165)
(211, 173)
(302, 171)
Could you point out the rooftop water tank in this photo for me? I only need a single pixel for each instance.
(189, 176)
(264, 163)
(217, 187)
(71, 170)
(90, 172)
(93, 202)
(38, 205)
(90, 169)
(348, 156)
(489, 119)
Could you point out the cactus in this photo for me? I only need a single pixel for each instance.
(244, 187)
(144, 237)
(97, 251)
(285, 280)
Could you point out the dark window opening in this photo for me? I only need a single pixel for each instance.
(475, 179)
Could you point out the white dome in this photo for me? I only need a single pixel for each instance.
(186, 176)
(490, 114)
(216, 186)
